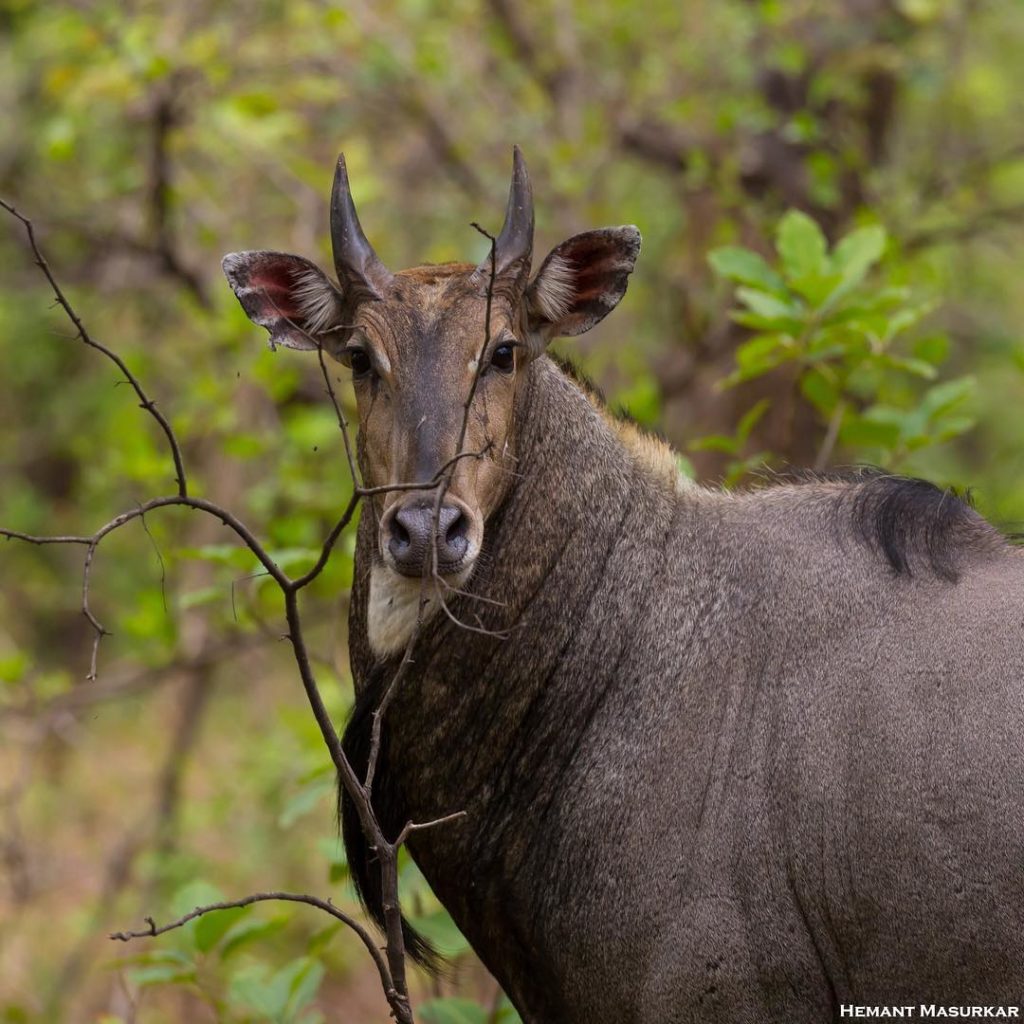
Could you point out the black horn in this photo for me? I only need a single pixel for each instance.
(358, 267)
(514, 245)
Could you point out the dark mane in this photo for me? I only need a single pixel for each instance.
(912, 523)
(579, 377)
(389, 807)
(595, 393)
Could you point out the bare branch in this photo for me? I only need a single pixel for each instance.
(99, 630)
(390, 964)
(436, 579)
(144, 400)
(92, 543)
(412, 827)
(449, 472)
(30, 538)
(382, 707)
(263, 897)
(339, 412)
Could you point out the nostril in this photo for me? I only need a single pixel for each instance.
(456, 540)
(456, 531)
(399, 534)
(412, 528)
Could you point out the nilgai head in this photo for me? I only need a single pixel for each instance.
(412, 340)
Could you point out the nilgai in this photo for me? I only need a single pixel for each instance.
(723, 756)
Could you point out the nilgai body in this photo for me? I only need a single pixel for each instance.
(722, 757)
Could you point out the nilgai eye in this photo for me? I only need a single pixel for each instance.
(503, 359)
(360, 362)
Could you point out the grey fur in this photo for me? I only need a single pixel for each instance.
(730, 764)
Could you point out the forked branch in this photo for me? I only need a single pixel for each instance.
(390, 963)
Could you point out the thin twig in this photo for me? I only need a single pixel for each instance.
(99, 630)
(160, 559)
(144, 400)
(411, 827)
(391, 963)
(385, 701)
(477, 374)
(263, 897)
(340, 413)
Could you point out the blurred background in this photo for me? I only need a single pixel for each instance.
(831, 194)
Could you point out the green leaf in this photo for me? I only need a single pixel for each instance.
(918, 367)
(13, 667)
(714, 443)
(817, 289)
(766, 305)
(801, 246)
(945, 396)
(212, 927)
(452, 1011)
(249, 989)
(820, 391)
(284, 995)
(932, 348)
(161, 974)
(750, 419)
(746, 267)
(860, 432)
(758, 356)
(303, 977)
(901, 319)
(320, 940)
(858, 252)
(195, 894)
(334, 850)
(953, 426)
(788, 325)
(887, 414)
(186, 899)
(251, 930)
(304, 801)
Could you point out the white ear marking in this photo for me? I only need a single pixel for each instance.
(553, 292)
(318, 301)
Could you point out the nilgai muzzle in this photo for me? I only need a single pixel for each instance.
(725, 757)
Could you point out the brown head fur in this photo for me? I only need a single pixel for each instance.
(436, 354)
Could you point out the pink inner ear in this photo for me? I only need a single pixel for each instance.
(274, 283)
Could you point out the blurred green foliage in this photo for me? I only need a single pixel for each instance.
(844, 331)
(830, 194)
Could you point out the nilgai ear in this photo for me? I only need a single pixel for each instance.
(580, 283)
(289, 296)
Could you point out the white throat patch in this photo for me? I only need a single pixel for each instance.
(393, 606)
